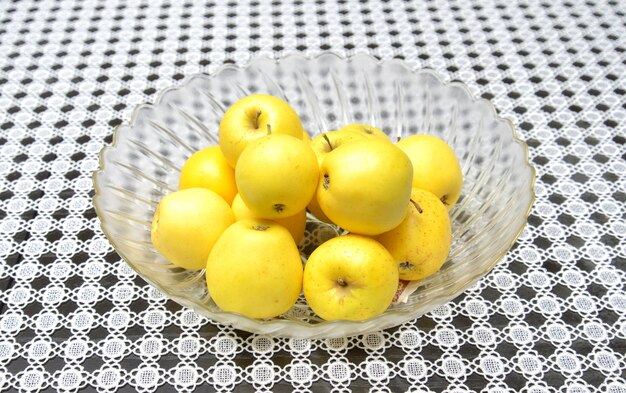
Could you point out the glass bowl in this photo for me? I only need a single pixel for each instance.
(327, 91)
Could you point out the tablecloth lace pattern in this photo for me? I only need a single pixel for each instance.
(551, 317)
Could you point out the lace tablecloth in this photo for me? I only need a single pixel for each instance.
(551, 317)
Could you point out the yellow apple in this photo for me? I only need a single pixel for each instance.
(276, 176)
(421, 243)
(365, 186)
(435, 167)
(321, 145)
(350, 277)
(295, 224)
(253, 117)
(365, 130)
(255, 269)
(207, 168)
(187, 223)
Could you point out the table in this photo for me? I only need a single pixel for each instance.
(551, 317)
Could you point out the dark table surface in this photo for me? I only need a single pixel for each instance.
(75, 317)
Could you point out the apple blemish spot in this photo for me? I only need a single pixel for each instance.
(326, 183)
(278, 207)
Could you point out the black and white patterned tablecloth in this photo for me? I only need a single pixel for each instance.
(551, 317)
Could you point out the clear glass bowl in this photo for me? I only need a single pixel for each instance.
(327, 91)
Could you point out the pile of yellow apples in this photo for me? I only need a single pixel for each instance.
(241, 210)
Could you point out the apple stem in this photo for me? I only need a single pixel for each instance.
(327, 141)
(341, 282)
(417, 206)
(256, 121)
